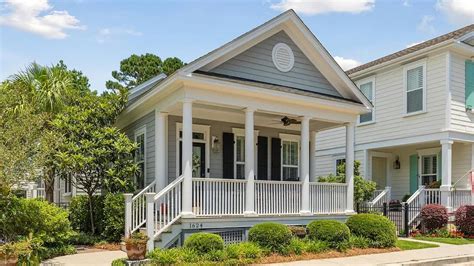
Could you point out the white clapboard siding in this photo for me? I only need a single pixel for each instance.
(460, 119)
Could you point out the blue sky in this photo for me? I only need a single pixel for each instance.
(93, 36)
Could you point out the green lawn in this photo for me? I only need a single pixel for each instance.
(408, 245)
(444, 240)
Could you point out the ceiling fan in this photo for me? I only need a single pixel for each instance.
(289, 121)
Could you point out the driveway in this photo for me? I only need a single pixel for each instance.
(99, 258)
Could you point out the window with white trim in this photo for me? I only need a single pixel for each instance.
(239, 157)
(68, 184)
(368, 89)
(339, 162)
(290, 160)
(140, 157)
(429, 169)
(415, 79)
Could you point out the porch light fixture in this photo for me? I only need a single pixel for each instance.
(215, 144)
(396, 164)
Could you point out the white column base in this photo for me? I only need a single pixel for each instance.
(250, 214)
(305, 213)
(188, 215)
(446, 197)
(349, 212)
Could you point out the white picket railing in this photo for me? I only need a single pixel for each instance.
(327, 198)
(376, 193)
(382, 197)
(218, 197)
(460, 197)
(432, 196)
(167, 207)
(277, 197)
(139, 207)
(415, 202)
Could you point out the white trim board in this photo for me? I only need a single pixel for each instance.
(206, 130)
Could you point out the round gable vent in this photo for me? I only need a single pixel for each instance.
(283, 57)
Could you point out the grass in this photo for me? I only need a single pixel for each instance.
(445, 240)
(409, 245)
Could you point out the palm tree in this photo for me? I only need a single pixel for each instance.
(46, 89)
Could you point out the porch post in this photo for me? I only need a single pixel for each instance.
(161, 175)
(128, 213)
(312, 157)
(305, 166)
(350, 140)
(249, 162)
(187, 158)
(446, 165)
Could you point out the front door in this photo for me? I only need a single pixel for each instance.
(379, 171)
(199, 159)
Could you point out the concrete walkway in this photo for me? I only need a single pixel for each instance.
(395, 258)
(100, 258)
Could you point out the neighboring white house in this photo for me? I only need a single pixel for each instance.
(421, 129)
(225, 141)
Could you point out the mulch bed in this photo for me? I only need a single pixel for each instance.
(275, 258)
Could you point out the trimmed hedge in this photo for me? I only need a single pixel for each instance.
(433, 217)
(379, 230)
(204, 242)
(331, 231)
(465, 219)
(273, 236)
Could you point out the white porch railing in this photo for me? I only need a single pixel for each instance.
(218, 197)
(382, 197)
(432, 196)
(460, 197)
(138, 208)
(325, 198)
(277, 197)
(415, 202)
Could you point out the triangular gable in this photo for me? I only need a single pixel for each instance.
(301, 37)
(256, 63)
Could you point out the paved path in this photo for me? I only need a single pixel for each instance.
(101, 258)
(394, 258)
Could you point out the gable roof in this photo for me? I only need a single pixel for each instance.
(449, 36)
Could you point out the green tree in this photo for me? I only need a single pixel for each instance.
(137, 69)
(93, 153)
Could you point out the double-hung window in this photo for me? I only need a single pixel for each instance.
(429, 169)
(239, 157)
(140, 157)
(367, 87)
(339, 162)
(415, 88)
(290, 158)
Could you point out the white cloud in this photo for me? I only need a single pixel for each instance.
(406, 3)
(458, 11)
(313, 7)
(106, 34)
(426, 24)
(346, 63)
(39, 17)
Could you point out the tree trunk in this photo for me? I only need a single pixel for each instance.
(49, 185)
(91, 213)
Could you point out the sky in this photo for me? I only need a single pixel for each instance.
(93, 36)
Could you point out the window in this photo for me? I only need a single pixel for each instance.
(367, 87)
(68, 185)
(290, 160)
(240, 157)
(140, 157)
(339, 169)
(415, 88)
(429, 169)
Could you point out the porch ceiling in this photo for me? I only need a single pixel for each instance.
(235, 115)
(417, 146)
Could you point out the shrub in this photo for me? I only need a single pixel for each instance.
(80, 217)
(359, 242)
(465, 219)
(214, 255)
(333, 232)
(173, 256)
(298, 231)
(379, 230)
(79, 238)
(114, 217)
(204, 242)
(273, 236)
(316, 246)
(244, 250)
(433, 216)
(296, 246)
(119, 262)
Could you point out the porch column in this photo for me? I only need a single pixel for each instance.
(350, 142)
(187, 157)
(305, 166)
(312, 157)
(249, 162)
(161, 125)
(446, 165)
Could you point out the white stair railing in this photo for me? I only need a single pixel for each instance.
(277, 197)
(382, 197)
(327, 198)
(415, 202)
(218, 197)
(138, 208)
(432, 195)
(467, 174)
(460, 197)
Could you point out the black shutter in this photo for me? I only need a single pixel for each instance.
(276, 159)
(262, 157)
(228, 155)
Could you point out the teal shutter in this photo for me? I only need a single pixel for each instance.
(440, 169)
(413, 173)
(469, 84)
